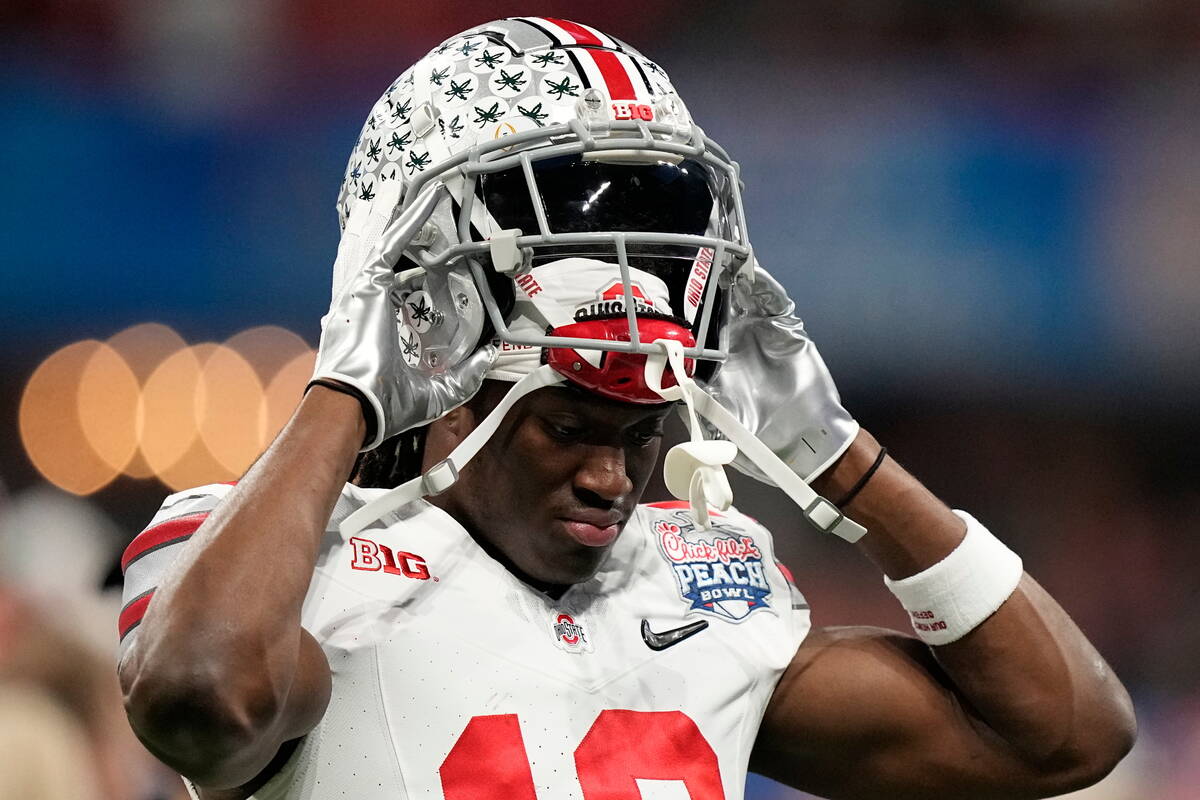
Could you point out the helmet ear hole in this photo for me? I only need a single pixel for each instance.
(403, 264)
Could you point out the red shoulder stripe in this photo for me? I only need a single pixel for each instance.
(132, 613)
(160, 535)
(671, 505)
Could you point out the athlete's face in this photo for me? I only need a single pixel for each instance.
(555, 485)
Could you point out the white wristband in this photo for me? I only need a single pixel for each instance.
(954, 596)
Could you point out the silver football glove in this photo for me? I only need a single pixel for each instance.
(776, 383)
(361, 351)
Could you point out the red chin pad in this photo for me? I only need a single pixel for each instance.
(620, 376)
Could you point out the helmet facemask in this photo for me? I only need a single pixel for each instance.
(663, 205)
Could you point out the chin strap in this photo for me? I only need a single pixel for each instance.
(442, 475)
(694, 470)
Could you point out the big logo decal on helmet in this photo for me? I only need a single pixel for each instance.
(721, 575)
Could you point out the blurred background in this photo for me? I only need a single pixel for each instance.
(988, 213)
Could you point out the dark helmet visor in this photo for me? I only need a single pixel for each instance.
(584, 196)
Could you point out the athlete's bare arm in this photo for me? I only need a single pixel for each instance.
(223, 674)
(1022, 706)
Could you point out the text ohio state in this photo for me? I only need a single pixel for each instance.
(568, 630)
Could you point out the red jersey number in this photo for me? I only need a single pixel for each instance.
(489, 760)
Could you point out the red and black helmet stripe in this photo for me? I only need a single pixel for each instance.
(579, 70)
(616, 68)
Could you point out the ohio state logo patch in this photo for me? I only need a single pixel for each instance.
(569, 633)
(721, 575)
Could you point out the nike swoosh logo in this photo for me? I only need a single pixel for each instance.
(661, 641)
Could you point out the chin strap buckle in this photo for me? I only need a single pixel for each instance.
(440, 477)
(824, 515)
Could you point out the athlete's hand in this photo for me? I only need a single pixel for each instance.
(776, 383)
(360, 351)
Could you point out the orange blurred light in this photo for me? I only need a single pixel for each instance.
(144, 347)
(49, 422)
(267, 348)
(272, 351)
(196, 467)
(170, 415)
(230, 409)
(147, 404)
(107, 402)
(284, 392)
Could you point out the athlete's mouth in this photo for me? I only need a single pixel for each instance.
(593, 528)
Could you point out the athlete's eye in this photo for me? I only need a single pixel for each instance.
(563, 428)
(643, 435)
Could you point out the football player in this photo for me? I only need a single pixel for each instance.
(543, 256)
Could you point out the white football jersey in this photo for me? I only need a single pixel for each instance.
(453, 679)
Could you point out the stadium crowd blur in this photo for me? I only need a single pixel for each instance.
(987, 213)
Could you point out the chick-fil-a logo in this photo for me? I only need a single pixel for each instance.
(724, 576)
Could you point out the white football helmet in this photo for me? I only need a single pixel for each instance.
(583, 221)
(549, 140)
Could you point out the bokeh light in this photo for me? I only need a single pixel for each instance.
(284, 363)
(284, 392)
(267, 348)
(169, 413)
(144, 347)
(229, 406)
(146, 404)
(49, 422)
(107, 399)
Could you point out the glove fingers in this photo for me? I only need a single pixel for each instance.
(459, 384)
(400, 231)
(770, 298)
(764, 297)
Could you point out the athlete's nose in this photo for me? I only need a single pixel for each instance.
(602, 474)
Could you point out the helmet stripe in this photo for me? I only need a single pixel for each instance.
(581, 33)
(555, 37)
(583, 73)
(642, 74)
(564, 33)
(616, 78)
(615, 68)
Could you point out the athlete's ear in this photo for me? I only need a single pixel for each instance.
(458, 423)
(445, 434)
